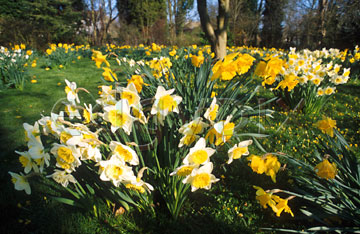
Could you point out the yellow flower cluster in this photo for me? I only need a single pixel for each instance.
(227, 68)
(267, 164)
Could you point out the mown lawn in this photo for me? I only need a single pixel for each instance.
(229, 208)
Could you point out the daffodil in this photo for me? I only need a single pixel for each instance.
(71, 92)
(326, 170)
(107, 96)
(124, 152)
(326, 125)
(282, 205)
(130, 94)
(72, 111)
(20, 182)
(115, 170)
(238, 150)
(119, 116)
(62, 177)
(88, 114)
(184, 170)
(137, 184)
(99, 58)
(165, 103)
(138, 81)
(225, 69)
(199, 154)
(109, 75)
(272, 166)
(265, 199)
(193, 127)
(210, 113)
(27, 162)
(187, 140)
(257, 164)
(224, 130)
(67, 157)
(201, 178)
(32, 130)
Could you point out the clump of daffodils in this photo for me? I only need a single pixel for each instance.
(276, 203)
(267, 164)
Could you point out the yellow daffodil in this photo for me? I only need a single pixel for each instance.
(282, 205)
(265, 199)
(272, 166)
(326, 125)
(109, 75)
(99, 58)
(138, 81)
(326, 170)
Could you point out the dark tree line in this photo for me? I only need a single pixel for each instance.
(271, 23)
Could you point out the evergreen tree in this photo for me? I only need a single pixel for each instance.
(273, 16)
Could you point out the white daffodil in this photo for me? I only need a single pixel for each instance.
(36, 149)
(238, 150)
(211, 112)
(165, 103)
(32, 131)
(69, 133)
(72, 112)
(62, 177)
(27, 162)
(139, 114)
(71, 92)
(224, 130)
(184, 170)
(52, 124)
(199, 154)
(115, 170)
(201, 178)
(124, 152)
(67, 157)
(88, 114)
(90, 153)
(119, 116)
(194, 127)
(20, 182)
(130, 93)
(187, 140)
(107, 96)
(139, 185)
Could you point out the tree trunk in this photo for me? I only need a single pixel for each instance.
(218, 37)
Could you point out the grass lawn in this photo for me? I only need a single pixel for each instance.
(230, 207)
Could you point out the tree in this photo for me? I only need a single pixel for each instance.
(273, 16)
(245, 17)
(218, 37)
(39, 22)
(148, 16)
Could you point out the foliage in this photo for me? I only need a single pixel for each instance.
(13, 67)
(39, 22)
